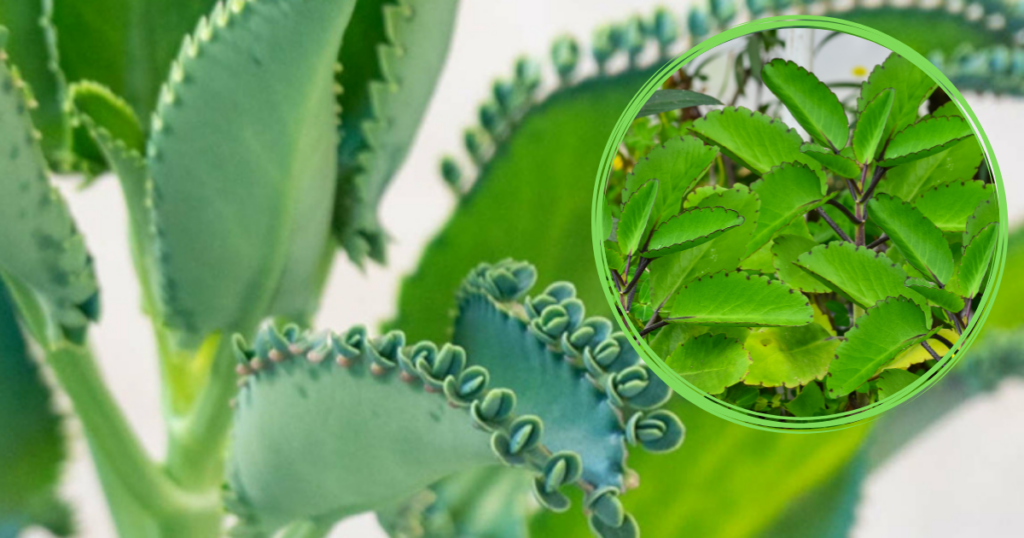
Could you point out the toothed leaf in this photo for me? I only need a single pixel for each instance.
(787, 192)
(677, 165)
(918, 354)
(842, 267)
(811, 102)
(278, 179)
(912, 86)
(975, 261)
(942, 298)
(924, 139)
(786, 249)
(919, 241)
(710, 362)
(892, 381)
(691, 228)
(838, 164)
(733, 298)
(871, 123)
(809, 403)
(789, 356)
(949, 205)
(910, 180)
(877, 337)
(986, 213)
(674, 99)
(636, 212)
(751, 138)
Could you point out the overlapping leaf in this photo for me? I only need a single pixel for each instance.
(789, 356)
(786, 249)
(734, 298)
(677, 165)
(919, 241)
(811, 102)
(941, 297)
(924, 139)
(691, 228)
(877, 337)
(842, 265)
(673, 99)
(635, 213)
(912, 86)
(910, 180)
(751, 138)
(871, 125)
(892, 381)
(918, 354)
(838, 163)
(787, 192)
(949, 205)
(711, 362)
(975, 260)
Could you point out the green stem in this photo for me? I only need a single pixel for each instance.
(112, 439)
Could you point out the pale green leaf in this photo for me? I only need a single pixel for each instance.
(918, 354)
(674, 99)
(949, 205)
(811, 102)
(919, 241)
(734, 298)
(787, 192)
(942, 298)
(877, 337)
(924, 139)
(635, 214)
(871, 126)
(750, 138)
(789, 356)
(843, 266)
(810, 402)
(892, 381)
(711, 362)
(786, 250)
(677, 165)
(910, 180)
(912, 87)
(838, 164)
(691, 228)
(975, 261)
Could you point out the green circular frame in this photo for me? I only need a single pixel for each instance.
(756, 419)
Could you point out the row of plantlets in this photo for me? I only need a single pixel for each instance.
(808, 277)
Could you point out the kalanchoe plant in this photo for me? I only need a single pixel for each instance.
(806, 277)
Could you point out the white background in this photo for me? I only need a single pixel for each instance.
(961, 478)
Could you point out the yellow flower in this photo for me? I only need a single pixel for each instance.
(617, 163)
(860, 71)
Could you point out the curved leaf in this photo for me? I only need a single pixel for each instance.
(892, 381)
(986, 213)
(750, 138)
(924, 139)
(918, 354)
(910, 180)
(843, 267)
(837, 163)
(786, 249)
(912, 86)
(949, 205)
(635, 214)
(918, 240)
(674, 99)
(787, 192)
(871, 126)
(789, 356)
(943, 298)
(246, 63)
(877, 337)
(711, 362)
(734, 298)
(975, 261)
(811, 102)
(810, 402)
(677, 165)
(691, 228)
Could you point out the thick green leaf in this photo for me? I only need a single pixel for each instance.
(811, 102)
(787, 192)
(838, 164)
(691, 228)
(677, 165)
(108, 111)
(912, 87)
(924, 139)
(918, 354)
(755, 140)
(809, 403)
(786, 249)
(975, 261)
(871, 126)
(269, 66)
(986, 213)
(673, 99)
(942, 298)
(32, 446)
(919, 241)
(892, 381)
(844, 267)
(789, 356)
(734, 298)
(382, 106)
(126, 45)
(877, 337)
(910, 180)
(949, 205)
(669, 273)
(635, 213)
(711, 362)
(40, 247)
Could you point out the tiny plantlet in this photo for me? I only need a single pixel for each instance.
(830, 270)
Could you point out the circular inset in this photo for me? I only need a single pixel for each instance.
(814, 253)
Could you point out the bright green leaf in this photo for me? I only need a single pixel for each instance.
(941, 297)
(786, 250)
(755, 140)
(839, 165)
(871, 126)
(975, 261)
(789, 356)
(734, 298)
(912, 87)
(949, 205)
(910, 180)
(711, 362)
(877, 337)
(787, 192)
(844, 267)
(892, 381)
(811, 102)
(810, 402)
(635, 213)
(690, 228)
(924, 139)
(986, 213)
(918, 240)
(673, 99)
(677, 165)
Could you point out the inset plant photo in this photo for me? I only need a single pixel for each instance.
(794, 244)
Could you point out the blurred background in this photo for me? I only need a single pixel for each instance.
(961, 478)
